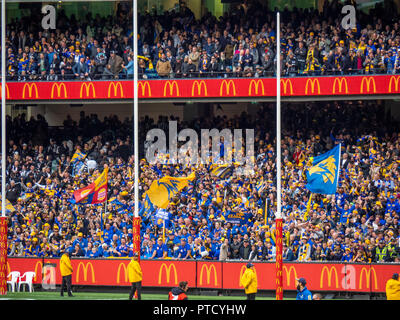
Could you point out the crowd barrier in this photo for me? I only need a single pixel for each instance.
(337, 277)
(204, 88)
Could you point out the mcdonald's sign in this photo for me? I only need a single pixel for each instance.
(312, 82)
(256, 84)
(368, 81)
(136, 221)
(171, 85)
(87, 87)
(227, 85)
(367, 273)
(122, 266)
(58, 87)
(199, 85)
(7, 92)
(30, 87)
(168, 273)
(40, 264)
(396, 83)
(115, 87)
(342, 82)
(288, 274)
(85, 267)
(329, 273)
(144, 85)
(208, 271)
(286, 83)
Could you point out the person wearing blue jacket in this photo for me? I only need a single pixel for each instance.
(302, 292)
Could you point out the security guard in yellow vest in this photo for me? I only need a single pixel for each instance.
(381, 252)
(135, 277)
(66, 273)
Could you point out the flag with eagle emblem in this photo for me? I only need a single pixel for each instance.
(323, 175)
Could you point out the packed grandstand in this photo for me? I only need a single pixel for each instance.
(240, 43)
(214, 217)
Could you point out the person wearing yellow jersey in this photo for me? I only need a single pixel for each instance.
(66, 273)
(135, 277)
(393, 288)
(249, 282)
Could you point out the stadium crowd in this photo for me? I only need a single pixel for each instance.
(241, 43)
(213, 217)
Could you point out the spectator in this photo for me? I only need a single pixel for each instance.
(163, 66)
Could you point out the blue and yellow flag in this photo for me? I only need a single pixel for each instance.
(9, 207)
(78, 156)
(323, 175)
(161, 191)
(223, 171)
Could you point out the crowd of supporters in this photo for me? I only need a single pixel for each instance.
(360, 223)
(241, 43)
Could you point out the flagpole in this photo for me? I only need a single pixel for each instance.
(278, 216)
(136, 219)
(135, 107)
(3, 219)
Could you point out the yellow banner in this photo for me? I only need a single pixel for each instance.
(161, 191)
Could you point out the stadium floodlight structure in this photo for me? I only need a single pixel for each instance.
(278, 215)
(3, 218)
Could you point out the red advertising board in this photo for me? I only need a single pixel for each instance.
(204, 88)
(217, 275)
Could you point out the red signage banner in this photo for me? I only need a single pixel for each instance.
(204, 88)
(3, 255)
(367, 278)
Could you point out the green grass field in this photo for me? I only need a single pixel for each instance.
(41, 295)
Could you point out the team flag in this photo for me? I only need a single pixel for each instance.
(323, 175)
(161, 191)
(94, 193)
(9, 207)
(223, 171)
(78, 156)
(77, 162)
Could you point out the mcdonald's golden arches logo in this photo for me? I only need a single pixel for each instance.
(342, 84)
(285, 83)
(123, 267)
(143, 85)
(227, 85)
(87, 87)
(171, 85)
(288, 274)
(32, 88)
(256, 84)
(85, 267)
(168, 270)
(329, 273)
(208, 270)
(58, 87)
(7, 92)
(38, 265)
(395, 80)
(368, 273)
(370, 81)
(115, 86)
(313, 83)
(199, 85)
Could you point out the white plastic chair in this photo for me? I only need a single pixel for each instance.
(28, 280)
(14, 280)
